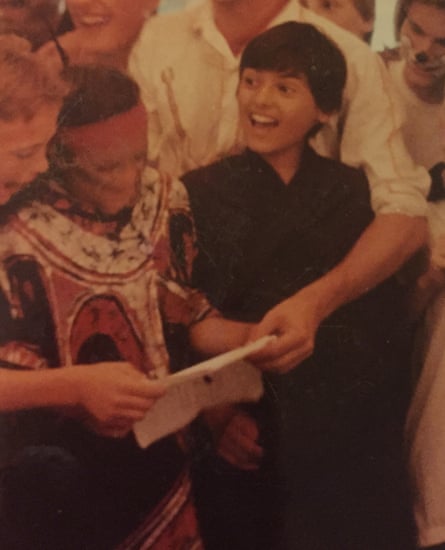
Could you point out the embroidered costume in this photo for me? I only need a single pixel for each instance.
(83, 288)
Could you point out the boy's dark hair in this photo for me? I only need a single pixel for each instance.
(299, 49)
(97, 93)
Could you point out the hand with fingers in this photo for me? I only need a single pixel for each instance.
(295, 322)
(239, 443)
(113, 395)
(236, 437)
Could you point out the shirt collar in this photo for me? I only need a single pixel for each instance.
(203, 25)
(308, 163)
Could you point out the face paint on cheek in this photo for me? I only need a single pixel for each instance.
(435, 65)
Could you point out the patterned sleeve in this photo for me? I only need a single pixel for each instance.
(27, 328)
(15, 352)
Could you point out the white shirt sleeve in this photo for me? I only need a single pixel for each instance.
(368, 134)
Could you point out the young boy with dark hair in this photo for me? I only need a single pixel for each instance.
(270, 221)
(196, 74)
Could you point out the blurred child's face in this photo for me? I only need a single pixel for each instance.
(107, 179)
(343, 13)
(423, 46)
(23, 149)
(276, 112)
(117, 22)
(29, 18)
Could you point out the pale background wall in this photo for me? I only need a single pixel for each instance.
(384, 27)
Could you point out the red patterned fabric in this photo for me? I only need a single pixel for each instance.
(78, 280)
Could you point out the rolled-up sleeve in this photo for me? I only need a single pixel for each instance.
(367, 134)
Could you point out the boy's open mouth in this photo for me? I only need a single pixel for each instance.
(263, 121)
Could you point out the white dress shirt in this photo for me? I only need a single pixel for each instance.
(188, 77)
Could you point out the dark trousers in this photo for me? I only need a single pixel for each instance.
(88, 494)
(339, 489)
(45, 502)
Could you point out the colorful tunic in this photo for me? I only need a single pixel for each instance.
(85, 289)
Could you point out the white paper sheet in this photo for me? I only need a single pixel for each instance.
(227, 378)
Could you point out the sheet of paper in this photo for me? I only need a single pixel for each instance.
(227, 378)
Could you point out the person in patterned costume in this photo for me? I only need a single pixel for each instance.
(95, 268)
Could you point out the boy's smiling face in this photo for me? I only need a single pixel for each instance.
(277, 110)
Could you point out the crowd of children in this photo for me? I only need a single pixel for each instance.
(174, 186)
